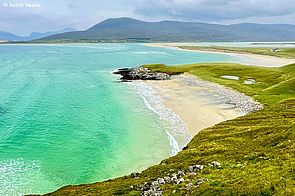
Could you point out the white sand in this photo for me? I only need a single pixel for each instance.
(248, 59)
(197, 106)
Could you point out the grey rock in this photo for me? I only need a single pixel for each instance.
(167, 179)
(199, 182)
(140, 73)
(174, 179)
(134, 174)
(180, 180)
(189, 186)
(174, 175)
(191, 168)
(180, 173)
(161, 180)
(155, 183)
(214, 164)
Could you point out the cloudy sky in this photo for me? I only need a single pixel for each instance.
(24, 16)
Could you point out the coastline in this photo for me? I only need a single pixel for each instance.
(171, 122)
(199, 104)
(245, 58)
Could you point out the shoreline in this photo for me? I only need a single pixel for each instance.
(171, 122)
(245, 58)
(199, 104)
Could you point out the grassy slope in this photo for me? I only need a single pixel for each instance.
(284, 52)
(256, 151)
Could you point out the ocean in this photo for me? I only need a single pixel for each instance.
(65, 118)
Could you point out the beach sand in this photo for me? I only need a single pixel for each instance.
(198, 107)
(248, 59)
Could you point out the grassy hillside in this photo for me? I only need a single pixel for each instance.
(282, 52)
(256, 151)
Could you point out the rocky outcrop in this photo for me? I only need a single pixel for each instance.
(140, 73)
(186, 179)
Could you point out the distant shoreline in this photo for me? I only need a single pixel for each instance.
(246, 58)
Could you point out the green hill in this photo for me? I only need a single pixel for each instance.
(132, 30)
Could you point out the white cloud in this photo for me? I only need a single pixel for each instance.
(59, 14)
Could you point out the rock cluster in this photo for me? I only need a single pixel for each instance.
(242, 102)
(179, 177)
(140, 73)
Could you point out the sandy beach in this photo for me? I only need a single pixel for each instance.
(199, 107)
(248, 59)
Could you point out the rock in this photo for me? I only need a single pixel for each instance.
(146, 186)
(134, 174)
(214, 164)
(174, 191)
(131, 186)
(191, 168)
(195, 168)
(189, 186)
(199, 182)
(161, 180)
(140, 73)
(174, 179)
(167, 179)
(155, 183)
(180, 173)
(180, 180)
(242, 102)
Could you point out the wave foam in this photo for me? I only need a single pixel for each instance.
(17, 175)
(175, 128)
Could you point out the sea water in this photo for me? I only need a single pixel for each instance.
(65, 118)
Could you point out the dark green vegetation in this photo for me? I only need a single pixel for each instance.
(257, 151)
(280, 52)
(131, 30)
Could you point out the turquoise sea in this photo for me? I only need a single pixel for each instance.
(64, 118)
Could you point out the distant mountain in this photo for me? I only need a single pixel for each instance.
(8, 36)
(132, 30)
(34, 35)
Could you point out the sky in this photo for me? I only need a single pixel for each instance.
(25, 16)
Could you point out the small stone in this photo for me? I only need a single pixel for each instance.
(134, 174)
(181, 173)
(145, 187)
(161, 180)
(215, 164)
(167, 179)
(155, 183)
(131, 186)
(191, 168)
(189, 186)
(179, 181)
(174, 191)
(199, 182)
(174, 179)
(174, 175)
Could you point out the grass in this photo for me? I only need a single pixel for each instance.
(282, 52)
(257, 151)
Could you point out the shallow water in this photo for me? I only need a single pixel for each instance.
(65, 120)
